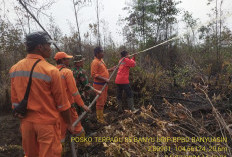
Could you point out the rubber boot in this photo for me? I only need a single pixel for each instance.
(100, 117)
(130, 102)
(98, 114)
(86, 143)
(119, 102)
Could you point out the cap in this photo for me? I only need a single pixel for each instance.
(124, 53)
(78, 58)
(98, 49)
(37, 38)
(61, 55)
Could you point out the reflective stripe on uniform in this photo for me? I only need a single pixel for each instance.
(77, 93)
(62, 140)
(60, 106)
(27, 74)
(15, 104)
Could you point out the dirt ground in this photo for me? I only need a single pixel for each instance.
(10, 143)
(118, 125)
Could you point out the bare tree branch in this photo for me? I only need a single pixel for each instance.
(25, 7)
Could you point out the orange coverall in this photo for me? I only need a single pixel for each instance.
(40, 128)
(74, 96)
(98, 68)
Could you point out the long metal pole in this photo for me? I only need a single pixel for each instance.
(174, 38)
(74, 152)
(92, 103)
(94, 100)
(84, 113)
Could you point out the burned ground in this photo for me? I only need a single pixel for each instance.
(163, 119)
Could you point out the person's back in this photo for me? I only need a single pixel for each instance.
(43, 102)
(124, 70)
(40, 126)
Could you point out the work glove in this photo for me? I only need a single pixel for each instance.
(86, 108)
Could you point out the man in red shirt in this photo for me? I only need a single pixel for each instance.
(122, 81)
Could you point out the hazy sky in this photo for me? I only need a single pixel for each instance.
(63, 13)
(112, 9)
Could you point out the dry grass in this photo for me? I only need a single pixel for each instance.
(169, 120)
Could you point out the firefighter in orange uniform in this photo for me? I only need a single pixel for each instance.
(100, 74)
(40, 127)
(62, 60)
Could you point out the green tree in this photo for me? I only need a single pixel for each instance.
(151, 21)
(148, 23)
